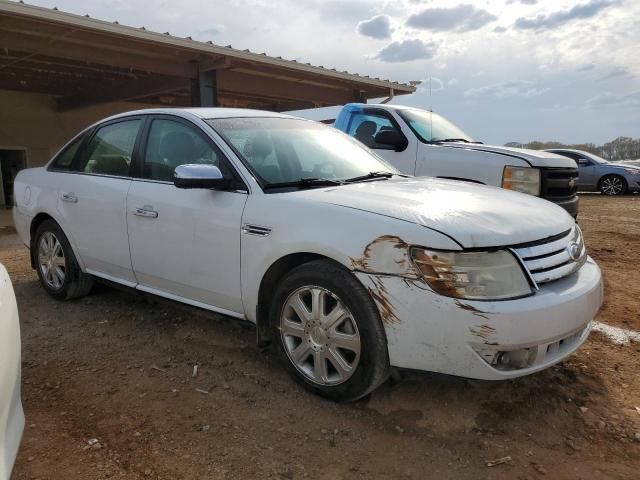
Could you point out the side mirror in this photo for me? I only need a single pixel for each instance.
(199, 176)
(390, 139)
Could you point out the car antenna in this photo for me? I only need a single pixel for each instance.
(430, 109)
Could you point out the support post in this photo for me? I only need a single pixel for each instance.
(204, 89)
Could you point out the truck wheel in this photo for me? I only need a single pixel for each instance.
(328, 332)
(613, 185)
(57, 267)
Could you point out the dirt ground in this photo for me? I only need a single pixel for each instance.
(109, 392)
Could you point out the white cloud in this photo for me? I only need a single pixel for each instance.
(376, 27)
(514, 88)
(462, 18)
(608, 100)
(556, 19)
(407, 50)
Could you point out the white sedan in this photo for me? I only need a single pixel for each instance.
(349, 267)
(11, 414)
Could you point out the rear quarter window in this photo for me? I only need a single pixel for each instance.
(64, 160)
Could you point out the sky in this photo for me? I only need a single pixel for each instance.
(503, 70)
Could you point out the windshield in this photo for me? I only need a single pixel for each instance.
(431, 127)
(283, 150)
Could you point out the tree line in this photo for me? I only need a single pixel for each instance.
(622, 148)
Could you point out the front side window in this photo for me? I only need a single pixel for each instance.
(431, 127)
(172, 144)
(109, 151)
(365, 126)
(280, 150)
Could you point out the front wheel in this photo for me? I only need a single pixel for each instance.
(329, 333)
(57, 268)
(613, 185)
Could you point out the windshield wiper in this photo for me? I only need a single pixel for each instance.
(443, 140)
(369, 176)
(304, 182)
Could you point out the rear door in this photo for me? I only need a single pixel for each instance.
(92, 198)
(185, 244)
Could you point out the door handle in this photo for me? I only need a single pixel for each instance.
(70, 197)
(145, 212)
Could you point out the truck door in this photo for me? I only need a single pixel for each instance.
(366, 124)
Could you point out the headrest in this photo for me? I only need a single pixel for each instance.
(259, 146)
(176, 146)
(366, 128)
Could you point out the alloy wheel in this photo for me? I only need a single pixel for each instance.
(612, 186)
(51, 261)
(320, 336)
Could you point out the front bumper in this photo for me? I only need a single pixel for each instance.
(570, 205)
(11, 413)
(426, 331)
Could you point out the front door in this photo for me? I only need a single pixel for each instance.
(586, 173)
(365, 125)
(92, 195)
(185, 244)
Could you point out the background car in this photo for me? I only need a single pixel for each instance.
(595, 173)
(11, 414)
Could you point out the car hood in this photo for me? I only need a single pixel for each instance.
(626, 166)
(474, 215)
(537, 158)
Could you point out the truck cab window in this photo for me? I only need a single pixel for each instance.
(365, 126)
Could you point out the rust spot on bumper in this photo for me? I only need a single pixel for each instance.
(472, 309)
(484, 332)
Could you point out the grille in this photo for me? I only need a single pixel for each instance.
(555, 258)
(559, 183)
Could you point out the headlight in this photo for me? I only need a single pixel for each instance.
(472, 275)
(521, 179)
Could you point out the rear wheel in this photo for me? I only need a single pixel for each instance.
(613, 185)
(329, 332)
(57, 267)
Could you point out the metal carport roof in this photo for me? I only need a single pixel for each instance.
(83, 61)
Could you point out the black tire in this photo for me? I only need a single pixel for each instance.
(612, 185)
(372, 368)
(76, 283)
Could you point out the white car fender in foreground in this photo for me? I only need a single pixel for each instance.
(11, 413)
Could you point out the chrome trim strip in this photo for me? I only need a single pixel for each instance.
(546, 248)
(258, 230)
(551, 261)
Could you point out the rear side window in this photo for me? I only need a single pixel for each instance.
(65, 159)
(109, 151)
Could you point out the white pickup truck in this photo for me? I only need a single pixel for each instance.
(421, 143)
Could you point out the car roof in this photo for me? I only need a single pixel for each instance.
(386, 106)
(203, 113)
(570, 150)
